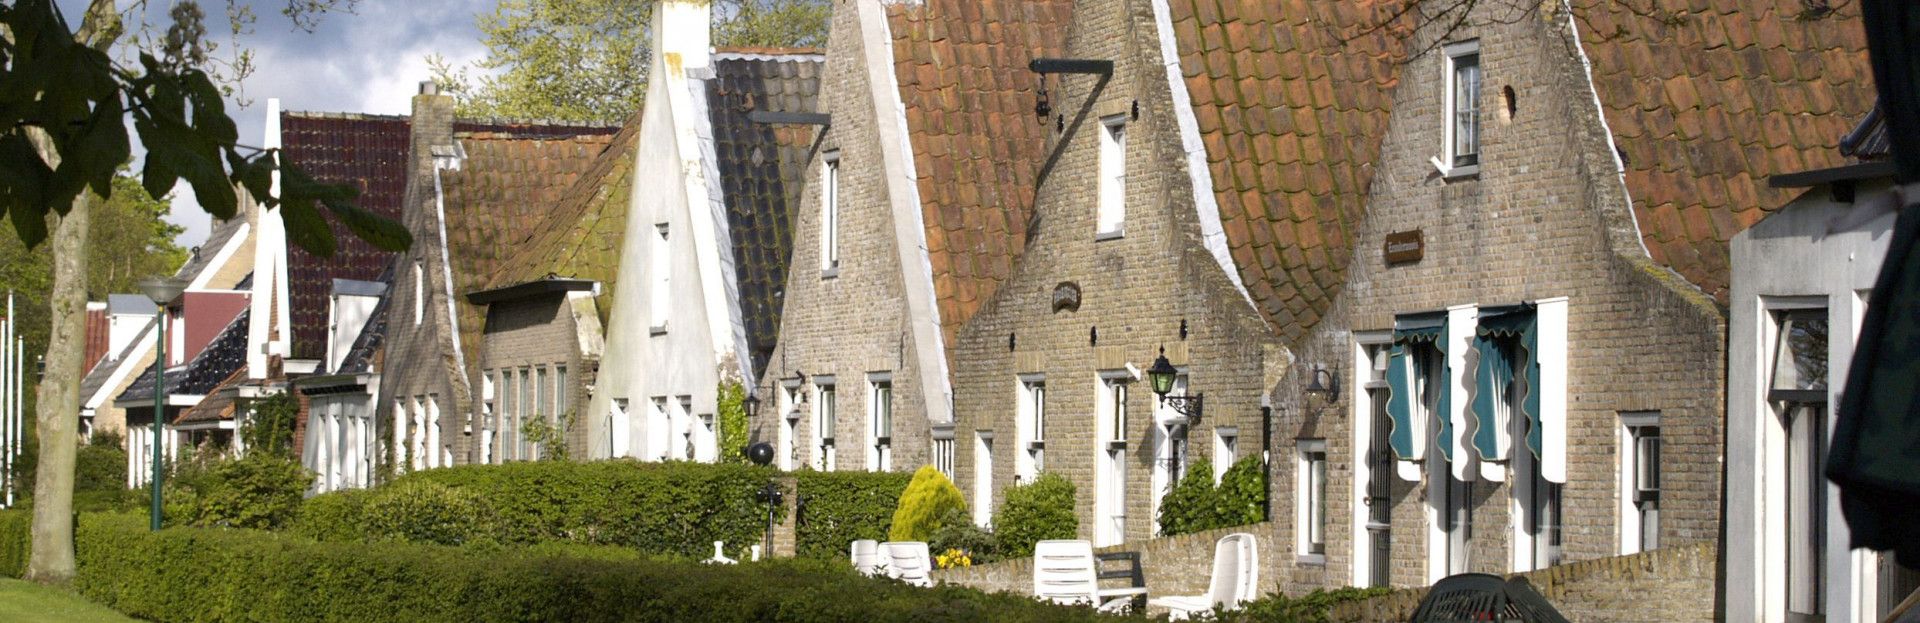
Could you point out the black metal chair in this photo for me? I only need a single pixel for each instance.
(1479, 597)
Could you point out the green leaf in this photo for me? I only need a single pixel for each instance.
(209, 112)
(256, 175)
(306, 228)
(297, 188)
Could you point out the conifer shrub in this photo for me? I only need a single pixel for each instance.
(924, 505)
(1038, 511)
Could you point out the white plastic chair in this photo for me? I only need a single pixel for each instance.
(866, 556)
(908, 561)
(1065, 572)
(1236, 576)
(720, 555)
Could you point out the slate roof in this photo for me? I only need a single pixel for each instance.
(222, 356)
(762, 173)
(364, 354)
(370, 152)
(1708, 98)
(503, 196)
(962, 70)
(1292, 121)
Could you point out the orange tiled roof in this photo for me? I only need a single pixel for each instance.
(504, 193)
(1708, 98)
(962, 70)
(1292, 120)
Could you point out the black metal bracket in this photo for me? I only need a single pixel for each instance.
(1190, 406)
(790, 118)
(1070, 66)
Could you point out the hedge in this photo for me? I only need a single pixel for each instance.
(657, 508)
(197, 574)
(837, 508)
(16, 530)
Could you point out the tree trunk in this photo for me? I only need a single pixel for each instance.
(57, 412)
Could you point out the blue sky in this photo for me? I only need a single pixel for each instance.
(370, 61)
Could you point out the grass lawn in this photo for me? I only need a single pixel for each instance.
(25, 601)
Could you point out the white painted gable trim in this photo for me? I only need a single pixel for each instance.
(909, 227)
(449, 163)
(1600, 113)
(123, 368)
(269, 308)
(726, 278)
(220, 258)
(1205, 206)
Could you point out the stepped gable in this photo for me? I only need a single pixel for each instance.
(762, 171)
(962, 70)
(1708, 98)
(1292, 119)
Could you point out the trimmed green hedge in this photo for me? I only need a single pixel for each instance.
(838, 508)
(659, 508)
(193, 575)
(16, 529)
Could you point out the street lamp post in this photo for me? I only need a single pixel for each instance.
(162, 292)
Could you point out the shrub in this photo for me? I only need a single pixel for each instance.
(732, 419)
(268, 428)
(1035, 512)
(222, 575)
(1314, 607)
(427, 512)
(837, 508)
(957, 532)
(549, 436)
(924, 505)
(16, 538)
(100, 475)
(1196, 505)
(335, 516)
(1242, 493)
(261, 490)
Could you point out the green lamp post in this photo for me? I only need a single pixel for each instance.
(162, 291)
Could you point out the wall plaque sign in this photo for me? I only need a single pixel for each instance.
(1405, 247)
(1066, 296)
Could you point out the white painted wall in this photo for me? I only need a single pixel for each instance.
(1814, 249)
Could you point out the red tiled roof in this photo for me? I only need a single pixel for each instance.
(1292, 120)
(504, 192)
(1708, 98)
(977, 156)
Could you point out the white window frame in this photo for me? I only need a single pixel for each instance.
(488, 415)
(1030, 426)
(1832, 560)
(1111, 210)
(659, 429)
(787, 442)
(826, 419)
(1310, 517)
(880, 422)
(619, 428)
(983, 478)
(660, 275)
(686, 446)
(419, 294)
(1111, 388)
(1449, 161)
(1167, 468)
(943, 452)
(400, 438)
(830, 214)
(1368, 388)
(1226, 451)
(1629, 432)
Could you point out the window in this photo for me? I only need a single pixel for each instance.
(1640, 482)
(526, 409)
(1113, 177)
(983, 478)
(659, 427)
(825, 424)
(661, 275)
(619, 428)
(830, 215)
(419, 294)
(1462, 98)
(1376, 469)
(880, 426)
(488, 422)
(1226, 450)
(943, 451)
(1113, 407)
(1798, 391)
(688, 446)
(417, 439)
(399, 434)
(541, 411)
(1110, 477)
(1310, 501)
(561, 392)
(1031, 427)
(786, 446)
(1170, 447)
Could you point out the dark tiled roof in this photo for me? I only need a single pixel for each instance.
(583, 231)
(1709, 98)
(502, 197)
(369, 152)
(762, 171)
(1292, 121)
(218, 405)
(222, 356)
(962, 70)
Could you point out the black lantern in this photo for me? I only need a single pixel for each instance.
(1161, 377)
(1329, 390)
(753, 406)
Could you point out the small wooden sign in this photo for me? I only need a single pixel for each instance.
(1405, 247)
(1066, 296)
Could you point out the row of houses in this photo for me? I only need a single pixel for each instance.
(1488, 290)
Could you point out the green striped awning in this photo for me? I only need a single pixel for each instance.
(1408, 333)
(1507, 341)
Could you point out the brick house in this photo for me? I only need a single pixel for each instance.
(1800, 287)
(1501, 246)
(918, 202)
(706, 261)
(475, 190)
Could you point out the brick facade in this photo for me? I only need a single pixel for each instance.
(543, 335)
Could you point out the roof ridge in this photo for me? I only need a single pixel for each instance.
(535, 122)
(358, 116)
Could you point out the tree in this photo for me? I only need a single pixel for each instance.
(587, 60)
(64, 111)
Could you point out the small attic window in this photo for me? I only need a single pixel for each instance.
(1460, 151)
(830, 215)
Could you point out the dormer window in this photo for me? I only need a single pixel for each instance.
(1461, 153)
(830, 215)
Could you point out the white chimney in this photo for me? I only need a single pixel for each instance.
(682, 35)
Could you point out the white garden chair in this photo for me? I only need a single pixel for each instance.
(908, 561)
(1236, 576)
(866, 556)
(1065, 572)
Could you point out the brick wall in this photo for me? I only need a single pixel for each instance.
(1137, 291)
(1671, 584)
(854, 323)
(534, 333)
(1545, 217)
